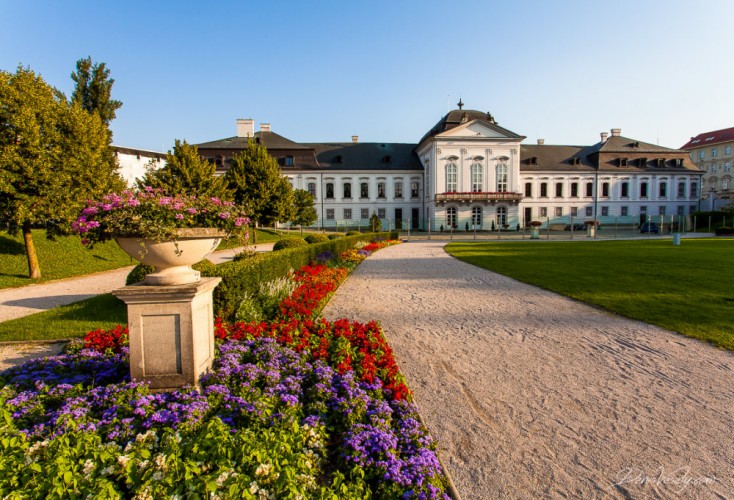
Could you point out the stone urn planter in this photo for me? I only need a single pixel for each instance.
(535, 230)
(173, 259)
(590, 229)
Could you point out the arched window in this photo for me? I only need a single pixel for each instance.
(502, 178)
(451, 217)
(476, 177)
(476, 217)
(501, 216)
(725, 183)
(451, 177)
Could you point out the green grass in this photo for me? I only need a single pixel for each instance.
(686, 288)
(62, 258)
(74, 320)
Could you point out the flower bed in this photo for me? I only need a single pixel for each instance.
(297, 407)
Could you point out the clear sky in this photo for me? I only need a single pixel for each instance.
(318, 71)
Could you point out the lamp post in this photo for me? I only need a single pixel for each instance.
(596, 196)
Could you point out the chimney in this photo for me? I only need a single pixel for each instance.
(604, 136)
(355, 139)
(616, 132)
(245, 127)
(541, 142)
(264, 127)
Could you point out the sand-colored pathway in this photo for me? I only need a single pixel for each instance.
(533, 395)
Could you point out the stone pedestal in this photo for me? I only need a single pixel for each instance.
(171, 332)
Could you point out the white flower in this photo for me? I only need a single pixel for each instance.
(160, 461)
(222, 478)
(106, 471)
(88, 467)
(157, 476)
(254, 487)
(144, 464)
(123, 460)
(263, 469)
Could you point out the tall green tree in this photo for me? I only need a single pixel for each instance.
(304, 211)
(259, 186)
(93, 89)
(186, 172)
(54, 156)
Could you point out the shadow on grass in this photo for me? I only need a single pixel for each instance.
(9, 246)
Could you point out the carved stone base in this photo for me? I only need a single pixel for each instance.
(171, 332)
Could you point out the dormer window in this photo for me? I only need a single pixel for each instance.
(288, 161)
(661, 162)
(386, 159)
(623, 162)
(338, 159)
(679, 162)
(576, 161)
(533, 160)
(642, 162)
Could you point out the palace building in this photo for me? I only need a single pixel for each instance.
(469, 172)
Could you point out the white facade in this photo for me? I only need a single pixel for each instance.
(134, 163)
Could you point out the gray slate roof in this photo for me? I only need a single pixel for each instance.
(369, 156)
(459, 116)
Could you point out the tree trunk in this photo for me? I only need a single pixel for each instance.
(254, 235)
(34, 270)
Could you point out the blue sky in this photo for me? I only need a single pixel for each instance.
(388, 70)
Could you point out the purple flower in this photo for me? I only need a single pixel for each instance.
(224, 215)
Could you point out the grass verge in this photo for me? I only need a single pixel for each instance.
(64, 322)
(686, 288)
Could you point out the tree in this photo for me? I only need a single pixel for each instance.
(304, 212)
(259, 186)
(53, 157)
(93, 90)
(187, 173)
(375, 223)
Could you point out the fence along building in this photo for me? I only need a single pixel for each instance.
(469, 172)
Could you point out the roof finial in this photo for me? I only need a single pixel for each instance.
(460, 104)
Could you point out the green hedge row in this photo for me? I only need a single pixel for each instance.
(245, 276)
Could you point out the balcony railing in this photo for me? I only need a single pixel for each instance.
(469, 197)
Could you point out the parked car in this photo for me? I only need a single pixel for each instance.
(649, 227)
(576, 227)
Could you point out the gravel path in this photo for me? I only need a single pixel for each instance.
(532, 395)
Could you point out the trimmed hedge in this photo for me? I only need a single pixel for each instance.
(354, 233)
(316, 238)
(245, 276)
(334, 236)
(724, 231)
(289, 242)
(138, 272)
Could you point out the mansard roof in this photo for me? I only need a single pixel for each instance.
(370, 156)
(459, 117)
(270, 140)
(710, 138)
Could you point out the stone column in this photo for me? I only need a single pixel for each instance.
(171, 332)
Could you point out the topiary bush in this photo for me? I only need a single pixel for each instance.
(334, 236)
(316, 238)
(289, 242)
(354, 233)
(724, 231)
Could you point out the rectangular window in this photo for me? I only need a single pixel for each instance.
(542, 212)
(329, 214)
(701, 154)
(681, 190)
(714, 152)
(691, 209)
(663, 189)
(574, 190)
(543, 189)
(643, 209)
(348, 190)
(329, 190)
(574, 211)
(727, 150)
(625, 190)
(643, 189)
(399, 189)
(559, 190)
(529, 189)
(681, 210)
(605, 189)
(348, 213)
(589, 189)
(364, 190)
(605, 211)
(694, 189)
(381, 190)
(559, 211)
(381, 213)
(589, 211)
(312, 188)
(364, 213)
(624, 211)
(414, 186)
(661, 210)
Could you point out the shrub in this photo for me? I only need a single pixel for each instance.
(375, 223)
(353, 233)
(316, 238)
(334, 236)
(289, 242)
(724, 231)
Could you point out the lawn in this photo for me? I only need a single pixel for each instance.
(66, 257)
(686, 288)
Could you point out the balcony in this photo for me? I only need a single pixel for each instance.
(478, 197)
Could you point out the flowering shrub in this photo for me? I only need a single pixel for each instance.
(153, 214)
(101, 340)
